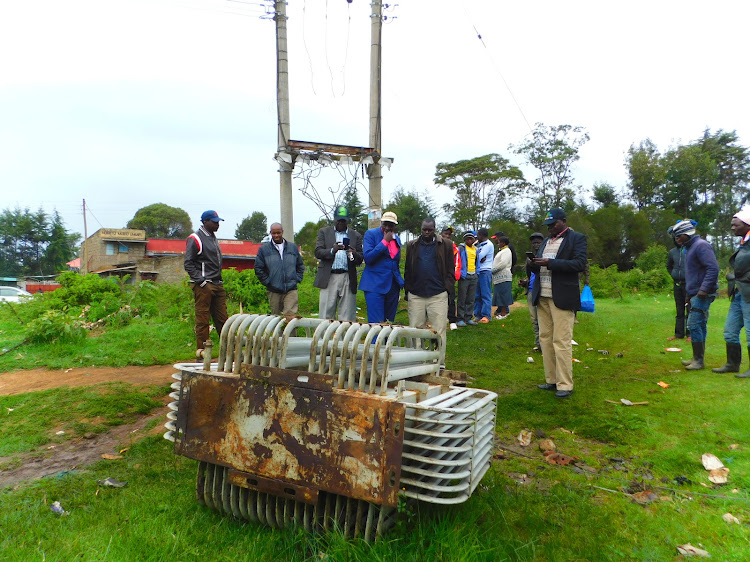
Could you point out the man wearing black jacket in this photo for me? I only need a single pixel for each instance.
(428, 272)
(203, 265)
(279, 267)
(556, 295)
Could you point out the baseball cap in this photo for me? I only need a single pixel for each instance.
(554, 215)
(341, 214)
(210, 216)
(498, 234)
(537, 235)
(389, 216)
(448, 229)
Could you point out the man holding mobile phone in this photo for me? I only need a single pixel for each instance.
(339, 251)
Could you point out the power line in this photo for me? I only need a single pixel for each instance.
(497, 69)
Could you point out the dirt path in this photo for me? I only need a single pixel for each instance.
(35, 380)
(77, 453)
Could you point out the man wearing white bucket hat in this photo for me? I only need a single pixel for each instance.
(739, 292)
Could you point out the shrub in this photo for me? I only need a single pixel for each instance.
(632, 279)
(54, 326)
(605, 283)
(653, 258)
(84, 289)
(656, 280)
(244, 286)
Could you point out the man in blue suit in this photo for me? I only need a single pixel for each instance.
(381, 280)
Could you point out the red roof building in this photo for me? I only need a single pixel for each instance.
(237, 254)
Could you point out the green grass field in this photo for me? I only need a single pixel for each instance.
(525, 508)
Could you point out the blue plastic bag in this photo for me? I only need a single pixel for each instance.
(587, 300)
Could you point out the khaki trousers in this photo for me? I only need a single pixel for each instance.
(432, 310)
(283, 303)
(555, 336)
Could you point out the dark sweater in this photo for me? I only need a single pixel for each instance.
(701, 267)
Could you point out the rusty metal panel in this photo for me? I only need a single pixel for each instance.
(304, 494)
(293, 427)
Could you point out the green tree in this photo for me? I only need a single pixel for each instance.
(357, 216)
(306, 238)
(553, 150)
(33, 243)
(162, 221)
(622, 234)
(606, 195)
(62, 247)
(482, 186)
(646, 174)
(411, 210)
(253, 228)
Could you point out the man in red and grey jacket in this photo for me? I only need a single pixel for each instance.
(447, 233)
(203, 265)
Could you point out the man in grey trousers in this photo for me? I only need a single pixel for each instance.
(339, 251)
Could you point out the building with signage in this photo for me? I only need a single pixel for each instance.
(120, 252)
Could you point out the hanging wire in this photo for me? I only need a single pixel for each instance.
(497, 69)
(346, 48)
(304, 42)
(330, 70)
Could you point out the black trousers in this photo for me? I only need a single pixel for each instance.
(683, 309)
(452, 304)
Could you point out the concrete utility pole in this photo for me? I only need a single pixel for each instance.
(282, 105)
(374, 170)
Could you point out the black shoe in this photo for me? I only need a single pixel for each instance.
(563, 393)
(547, 386)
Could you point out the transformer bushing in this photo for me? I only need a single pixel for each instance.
(326, 424)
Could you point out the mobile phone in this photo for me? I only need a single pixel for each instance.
(530, 255)
(346, 242)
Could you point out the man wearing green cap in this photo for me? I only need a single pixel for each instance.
(339, 252)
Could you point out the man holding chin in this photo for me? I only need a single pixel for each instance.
(381, 280)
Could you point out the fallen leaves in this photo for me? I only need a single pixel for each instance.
(690, 550)
(729, 518)
(547, 445)
(711, 462)
(524, 438)
(663, 384)
(718, 475)
(717, 472)
(644, 497)
(558, 458)
(110, 457)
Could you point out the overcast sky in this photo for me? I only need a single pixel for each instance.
(131, 102)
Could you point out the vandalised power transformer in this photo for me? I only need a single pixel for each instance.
(324, 424)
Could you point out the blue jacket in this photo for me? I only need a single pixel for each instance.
(701, 267)
(380, 268)
(465, 261)
(276, 276)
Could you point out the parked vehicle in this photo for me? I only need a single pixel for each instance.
(13, 294)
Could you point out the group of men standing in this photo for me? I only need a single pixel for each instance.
(433, 264)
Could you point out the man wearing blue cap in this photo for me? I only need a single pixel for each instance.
(203, 265)
(339, 251)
